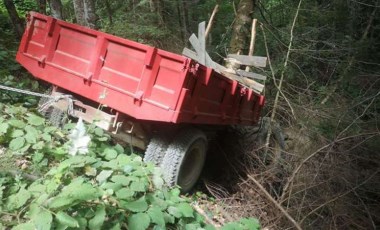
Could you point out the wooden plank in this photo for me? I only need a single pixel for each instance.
(249, 60)
(189, 53)
(257, 87)
(202, 41)
(251, 75)
(197, 47)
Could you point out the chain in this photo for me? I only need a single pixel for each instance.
(53, 99)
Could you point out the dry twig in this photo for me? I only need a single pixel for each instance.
(287, 215)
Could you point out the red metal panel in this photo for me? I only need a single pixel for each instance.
(135, 79)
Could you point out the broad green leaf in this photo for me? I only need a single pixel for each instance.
(158, 202)
(25, 226)
(38, 146)
(193, 226)
(35, 120)
(17, 143)
(31, 138)
(43, 220)
(98, 132)
(139, 221)
(119, 149)
(121, 179)
(32, 130)
(103, 176)
(97, 221)
(17, 123)
(90, 171)
(17, 133)
(139, 205)
(250, 223)
(82, 222)
(110, 154)
(124, 193)
(138, 186)
(17, 200)
(232, 226)
(46, 137)
(67, 220)
(111, 185)
(169, 218)
(4, 128)
(116, 227)
(157, 216)
(60, 202)
(174, 211)
(186, 210)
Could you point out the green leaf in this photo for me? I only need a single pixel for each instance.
(103, 176)
(17, 143)
(139, 221)
(60, 202)
(17, 200)
(4, 128)
(139, 205)
(186, 210)
(31, 130)
(124, 193)
(24, 226)
(46, 137)
(250, 223)
(17, 133)
(17, 123)
(35, 120)
(232, 226)
(110, 154)
(98, 132)
(97, 221)
(119, 149)
(175, 212)
(38, 146)
(31, 138)
(157, 216)
(43, 220)
(121, 179)
(66, 220)
(138, 186)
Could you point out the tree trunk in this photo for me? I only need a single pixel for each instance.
(89, 13)
(79, 12)
(240, 29)
(41, 6)
(56, 9)
(18, 24)
(109, 11)
(85, 13)
(182, 19)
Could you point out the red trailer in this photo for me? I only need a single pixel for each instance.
(158, 101)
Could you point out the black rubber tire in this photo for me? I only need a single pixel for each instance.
(184, 159)
(156, 150)
(57, 117)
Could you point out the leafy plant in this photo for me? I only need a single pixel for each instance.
(109, 188)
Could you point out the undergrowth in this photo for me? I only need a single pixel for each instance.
(108, 188)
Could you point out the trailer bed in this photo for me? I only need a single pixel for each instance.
(132, 78)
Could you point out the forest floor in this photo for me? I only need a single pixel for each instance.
(320, 182)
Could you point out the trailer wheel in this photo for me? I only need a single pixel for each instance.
(184, 159)
(57, 117)
(156, 150)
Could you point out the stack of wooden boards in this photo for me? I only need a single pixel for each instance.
(233, 71)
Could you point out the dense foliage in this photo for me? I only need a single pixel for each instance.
(108, 188)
